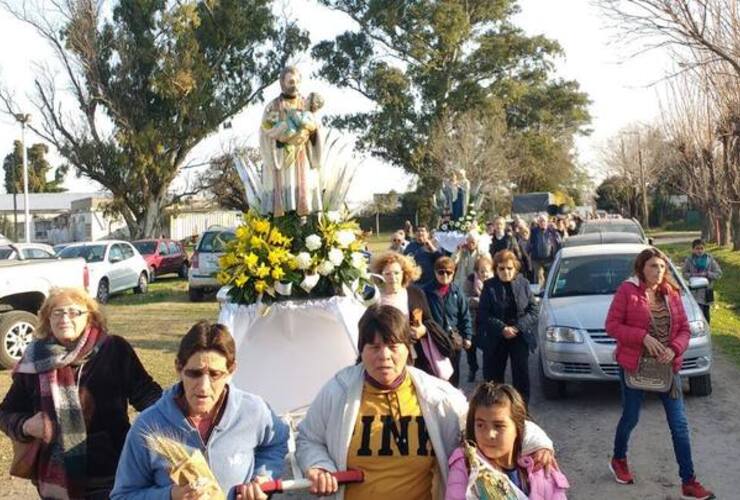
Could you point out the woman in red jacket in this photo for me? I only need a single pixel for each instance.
(647, 317)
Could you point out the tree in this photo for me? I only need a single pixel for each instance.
(38, 169)
(423, 63)
(221, 180)
(150, 81)
(617, 194)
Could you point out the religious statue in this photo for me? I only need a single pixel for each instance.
(290, 143)
(461, 198)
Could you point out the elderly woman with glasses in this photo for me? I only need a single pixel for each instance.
(243, 441)
(450, 309)
(70, 392)
(507, 322)
(431, 346)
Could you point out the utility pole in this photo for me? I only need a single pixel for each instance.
(23, 120)
(15, 203)
(645, 214)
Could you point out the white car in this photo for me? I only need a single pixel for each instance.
(573, 342)
(204, 261)
(114, 266)
(26, 251)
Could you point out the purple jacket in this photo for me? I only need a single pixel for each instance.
(542, 486)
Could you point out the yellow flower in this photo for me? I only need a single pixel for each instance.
(260, 226)
(276, 256)
(260, 286)
(223, 277)
(278, 273)
(256, 241)
(355, 246)
(242, 233)
(291, 262)
(263, 271)
(251, 259)
(241, 280)
(227, 260)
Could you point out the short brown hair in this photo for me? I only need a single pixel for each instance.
(207, 336)
(387, 322)
(483, 259)
(411, 271)
(490, 394)
(668, 286)
(78, 296)
(506, 256)
(444, 262)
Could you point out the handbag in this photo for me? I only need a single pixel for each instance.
(25, 458)
(457, 340)
(651, 375)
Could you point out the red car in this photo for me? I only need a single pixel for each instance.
(163, 257)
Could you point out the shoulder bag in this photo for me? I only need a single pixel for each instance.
(25, 458)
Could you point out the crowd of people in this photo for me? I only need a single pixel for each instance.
(397, 415)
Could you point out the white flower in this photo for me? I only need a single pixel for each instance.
(309, 282)
(303, 260)
(345, 237)
(333, 216)
(313, 242)
(358, 260)
(325, 268)
(336, 256)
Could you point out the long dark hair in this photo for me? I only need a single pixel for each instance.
(668, 286)
(490, 394)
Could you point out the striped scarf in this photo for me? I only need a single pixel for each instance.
(62, 463)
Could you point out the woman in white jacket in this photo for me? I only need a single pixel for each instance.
(397, 424)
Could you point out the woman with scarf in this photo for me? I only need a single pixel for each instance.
(397, 424)
(70, 392)
(701, 264)
(432, 348)
(450, 309)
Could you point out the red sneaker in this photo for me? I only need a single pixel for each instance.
(621, 471)
(693, 490)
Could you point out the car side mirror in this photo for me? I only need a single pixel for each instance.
(698, 282)
(115, 259)
(650, 242)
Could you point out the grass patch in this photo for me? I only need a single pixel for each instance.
(726, 310)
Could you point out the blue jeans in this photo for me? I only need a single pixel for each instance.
(676, 416)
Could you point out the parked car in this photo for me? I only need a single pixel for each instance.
(614, 226)
(26, 251)
(601, 239)
(60, 246)
(574, 345)
(204, 262)
(163, 256)
(24, 285)
(114, 265)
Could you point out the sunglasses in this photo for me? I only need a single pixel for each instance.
(72, 313)
(445, 272)
(194, 373)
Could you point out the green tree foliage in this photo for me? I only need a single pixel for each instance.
(164, 74)
(38, 169)
(617, 194)
(426, 61)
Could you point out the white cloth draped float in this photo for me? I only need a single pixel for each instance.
(287, 351)
(450, 240)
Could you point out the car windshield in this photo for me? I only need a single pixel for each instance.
(215, 241)
(611, 227)
(595, 275)
(91, 253)
(145, 247)
(5, 253)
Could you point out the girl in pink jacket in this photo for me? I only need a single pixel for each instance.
(490, 463)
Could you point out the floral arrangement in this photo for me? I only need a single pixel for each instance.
(277, 258)
(471, 221)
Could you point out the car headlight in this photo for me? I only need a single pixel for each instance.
(698, 328)
(564, 334)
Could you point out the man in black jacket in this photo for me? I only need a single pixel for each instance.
(501, 239)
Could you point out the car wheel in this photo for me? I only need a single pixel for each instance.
(16, 332)
(184, 270)
(551, 389)
(143, 285)
(701, 385)
(103, 291)
(195, 295)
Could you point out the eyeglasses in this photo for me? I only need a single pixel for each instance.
(444, 272)
(72, 313)
(195, 373)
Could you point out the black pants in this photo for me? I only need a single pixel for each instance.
(455, 360)
(705, 308)
(496, 356)
(472, 355)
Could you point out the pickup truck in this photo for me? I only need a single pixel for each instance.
(24, 285)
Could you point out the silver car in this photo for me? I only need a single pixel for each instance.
(204, 261)
(573, 343)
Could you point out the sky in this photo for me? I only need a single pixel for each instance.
(619, 86)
